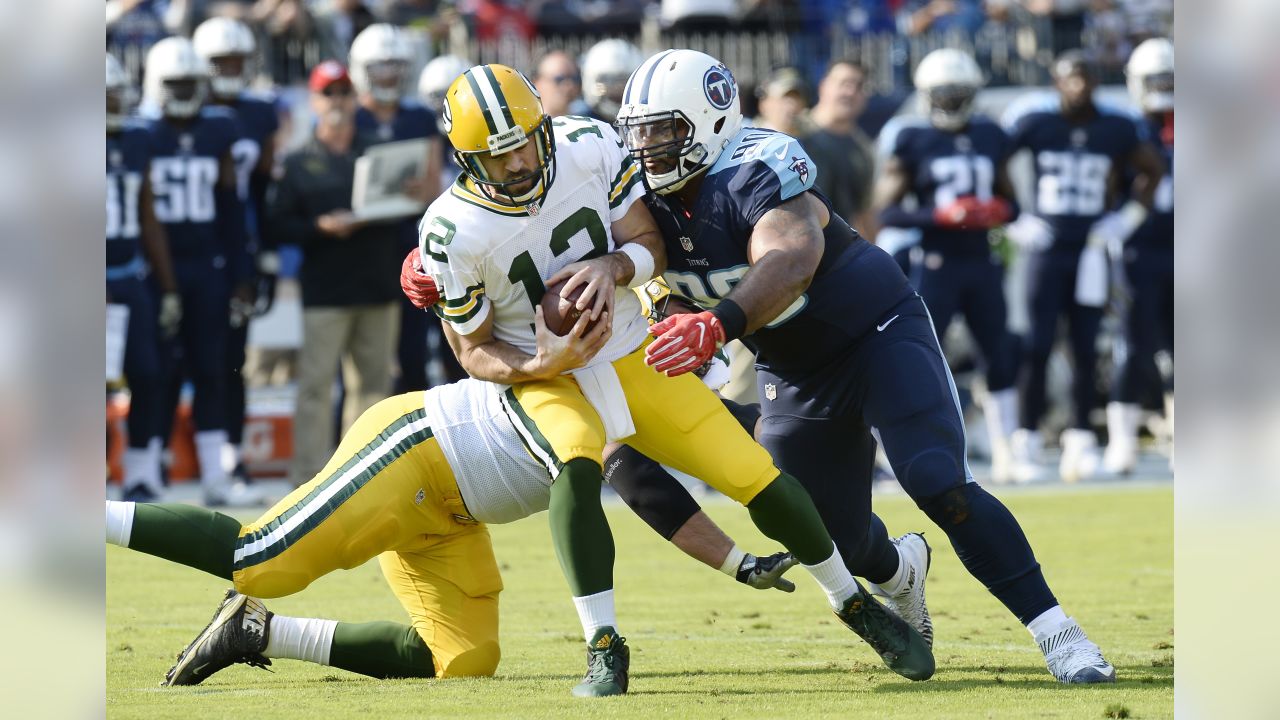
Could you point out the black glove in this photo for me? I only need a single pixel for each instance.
(766, 573)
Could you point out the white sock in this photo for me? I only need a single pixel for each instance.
(230, 457)
(1046, 622)
(596, 611)
(893, 585)
(119, 522)
(209, 453)
(1001, 412)
(307, 639)
(834, 578)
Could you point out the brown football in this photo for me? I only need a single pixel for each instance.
(559, 312)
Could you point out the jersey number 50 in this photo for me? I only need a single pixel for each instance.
(183, 188)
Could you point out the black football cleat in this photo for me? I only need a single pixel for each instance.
(237, 634)
(608, 660)
(902, 649)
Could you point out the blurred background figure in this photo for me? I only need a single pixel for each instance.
(381, 59)
(848, 160)
(196, 197)
(558, 81)
(338, 23)
(435, 79)
(1147, 259)
(350, 273)
(139, 277)
(228, 47)
(698, 16)
(605, 70)
(784, 101)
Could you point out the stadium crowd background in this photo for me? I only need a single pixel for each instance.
(777, 50)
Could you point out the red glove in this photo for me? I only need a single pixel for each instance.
(418, 286)
(685, 342)
(994, 212)
(961, 213)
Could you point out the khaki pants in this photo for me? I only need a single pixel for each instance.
(363, 339)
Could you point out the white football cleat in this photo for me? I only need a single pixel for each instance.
(1026, 447)
(1121, 456)
(1080, 459)
(1072, 657)
(908, 603)
(229, 493)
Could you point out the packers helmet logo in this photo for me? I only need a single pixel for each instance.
(719, 87)
(446, 116)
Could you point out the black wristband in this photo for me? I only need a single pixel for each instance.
(732, 319)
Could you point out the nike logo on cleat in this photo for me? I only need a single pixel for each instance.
(880, 328)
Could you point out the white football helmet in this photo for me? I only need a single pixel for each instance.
(227, 45)
(380, 57)
(175, 78)
(679, 110)
(948, 80)
(1149, 74)
(436, 78)
(118, 93)
(605, 69)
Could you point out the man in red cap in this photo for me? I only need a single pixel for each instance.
(349, 291)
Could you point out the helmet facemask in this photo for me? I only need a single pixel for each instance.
(662, 142)
(950, 105)
(228, 75)
(182, 97)
(507, 192)
(1157, 92)
(386, 79)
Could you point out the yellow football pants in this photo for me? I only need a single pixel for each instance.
(387, 491)
(679, 422)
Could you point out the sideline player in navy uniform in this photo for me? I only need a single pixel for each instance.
(1081, 151)
(1148, 268)
(227, 45)
(193, 183)
(380, 60)
(843, 344)
(136, 245)
(954, 164)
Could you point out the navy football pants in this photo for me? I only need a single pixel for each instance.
(817, 427)
(200, 351)
(1148, 324)
(973, 287)
(142, 368)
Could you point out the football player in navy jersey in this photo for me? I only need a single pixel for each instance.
(136, 245)
(227, 45)
(1080, 152)
(843, 344)
(194, 194)
(380, 59)
(1148, 268)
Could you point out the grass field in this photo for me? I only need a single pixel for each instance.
(702, 645)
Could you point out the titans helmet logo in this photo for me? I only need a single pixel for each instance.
(800, 166)
(719, 86)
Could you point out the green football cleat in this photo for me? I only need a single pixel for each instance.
(237, 634)
(608, 659)
(902, 649)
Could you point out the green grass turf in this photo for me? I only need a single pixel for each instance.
(702, 645)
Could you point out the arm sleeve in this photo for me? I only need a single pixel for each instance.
(780, 170)
(649, 490)
(456, 272)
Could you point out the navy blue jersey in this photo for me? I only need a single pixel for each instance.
(412, 121)
(945, 166)
(707, 252)
(1073, 162)
(1157, 231)
(258, 121)
(128, 154)
(184, 177)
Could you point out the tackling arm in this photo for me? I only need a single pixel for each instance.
(784, 251)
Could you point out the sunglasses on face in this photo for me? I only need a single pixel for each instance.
(338, 91)
(563, 79)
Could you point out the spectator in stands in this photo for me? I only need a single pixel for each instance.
(338, 24)
(1066, 21)
(917, 17)
(504, 20)
(559, 82)
(783, 99)
(350, 294)
(133, 26)
(845, 156)
(698, 16)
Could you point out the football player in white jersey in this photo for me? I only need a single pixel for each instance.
(543, 201)
(414, 482)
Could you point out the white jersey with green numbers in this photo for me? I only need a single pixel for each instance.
(492, 260)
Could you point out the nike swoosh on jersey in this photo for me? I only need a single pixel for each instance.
(880, 328)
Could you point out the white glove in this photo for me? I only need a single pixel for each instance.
(170, 314)
(1030, 232)
(715, 374)
(1113, 229)
(1091, 277)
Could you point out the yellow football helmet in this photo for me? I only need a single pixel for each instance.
(493, 109)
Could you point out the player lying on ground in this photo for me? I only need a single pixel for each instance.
(413, 482)
(542, 201)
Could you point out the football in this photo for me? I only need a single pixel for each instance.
(559, 311)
